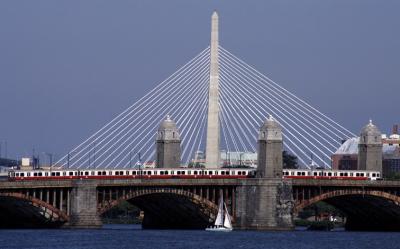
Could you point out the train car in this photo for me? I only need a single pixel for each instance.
(172, 173)
(332, 174)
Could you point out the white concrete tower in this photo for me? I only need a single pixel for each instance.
(213, 137)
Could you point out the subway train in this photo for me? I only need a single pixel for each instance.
(187, 173)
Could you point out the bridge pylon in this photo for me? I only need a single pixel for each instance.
(213, 129)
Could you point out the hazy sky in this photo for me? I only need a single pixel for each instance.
(68, 67)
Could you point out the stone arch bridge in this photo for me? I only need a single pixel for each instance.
(177, 203)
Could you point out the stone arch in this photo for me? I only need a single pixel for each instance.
(37, 213)
(156, 201)
(365, 209)
(336, 193)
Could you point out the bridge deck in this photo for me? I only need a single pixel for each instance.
(344, 183)
(120, 182)
(191, 182)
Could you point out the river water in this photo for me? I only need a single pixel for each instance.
(131, 236)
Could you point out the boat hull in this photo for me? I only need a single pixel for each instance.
(219, 229)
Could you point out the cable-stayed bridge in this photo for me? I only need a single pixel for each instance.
(219, 103)
(244, 98)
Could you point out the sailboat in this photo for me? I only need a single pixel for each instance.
(223, 221)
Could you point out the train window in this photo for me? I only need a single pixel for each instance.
(127, 173)
(239, 173)
(346, 174)
(292, 173)
(64, 173)
(361, 174)
(216, 172)
(373, 175)
(315, 173)
(222, 172)
(117, 173)
(161, 172)
(172, 172)
(298, 173)
(351, 174)
(210, 172)
(195, 172)
(104, 173)
(71, 173)
(53, 174)
(335, 174)
(303, 173)
(86, 173)
(110, 173)
(57, 173)
(341, 174)
(35, 174)
(183, 172)
(149, 172)
(133, 172)
(329, 174)
(46, 174)
(121, 173)
(320, 173)
(227, 173)
(22, 174)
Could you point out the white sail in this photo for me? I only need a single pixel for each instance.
(219, 221)
(227, 220)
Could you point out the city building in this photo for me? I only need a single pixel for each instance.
(228, 159)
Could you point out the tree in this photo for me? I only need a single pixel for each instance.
(289, 160)
(196, 165)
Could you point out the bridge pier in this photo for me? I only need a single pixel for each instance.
(264, 204)
(83, 206)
